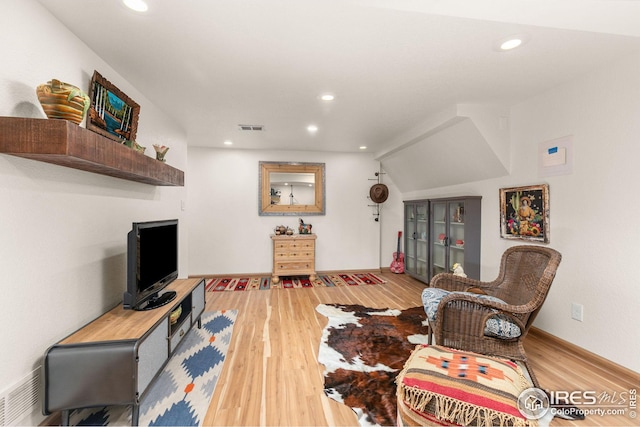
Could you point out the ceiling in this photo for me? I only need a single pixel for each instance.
(392, 64)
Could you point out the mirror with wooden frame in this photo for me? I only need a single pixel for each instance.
(291, 189)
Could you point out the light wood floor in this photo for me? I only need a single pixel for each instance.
(271, 376)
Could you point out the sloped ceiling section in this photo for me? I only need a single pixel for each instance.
(469, 144)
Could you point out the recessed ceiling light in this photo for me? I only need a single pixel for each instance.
(327, 97)
(363, 147)
(312, 128)
(137, 5)
(228, 142)
(511, 42)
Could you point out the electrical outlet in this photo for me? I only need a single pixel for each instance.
(577, 311)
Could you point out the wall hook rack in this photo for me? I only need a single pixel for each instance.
(377, 178)
(377, 194)
(376, 214)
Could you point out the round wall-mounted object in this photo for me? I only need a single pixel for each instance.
(379, 193)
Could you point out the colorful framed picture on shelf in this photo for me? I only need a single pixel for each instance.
(112, 113)
(524, 213)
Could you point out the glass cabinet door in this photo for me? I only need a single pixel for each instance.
(409, 237)
(447, 243)
(416, 239)
(439, 238)
(422, 258)
(456, 234)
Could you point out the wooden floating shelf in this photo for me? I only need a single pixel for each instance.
(66, 144)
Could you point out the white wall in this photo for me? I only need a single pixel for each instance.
(229, 237)
(64, 231)
(592, 210)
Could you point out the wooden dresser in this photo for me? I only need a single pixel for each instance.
(294, 256)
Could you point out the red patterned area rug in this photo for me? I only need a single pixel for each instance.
(295, 282)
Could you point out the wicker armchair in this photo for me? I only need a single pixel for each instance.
(515, 297)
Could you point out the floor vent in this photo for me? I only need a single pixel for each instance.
(255, 128)
(19, 400)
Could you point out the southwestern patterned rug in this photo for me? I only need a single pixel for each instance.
(363, 351)
(294, 282)
(180, 396)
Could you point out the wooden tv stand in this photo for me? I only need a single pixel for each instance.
(114, 359)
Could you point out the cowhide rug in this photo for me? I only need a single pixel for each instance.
(363, 350)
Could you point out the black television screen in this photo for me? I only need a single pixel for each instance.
(152, 263)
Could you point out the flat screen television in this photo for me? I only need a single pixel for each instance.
(152, 264)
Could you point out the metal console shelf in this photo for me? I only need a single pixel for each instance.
(114, 359)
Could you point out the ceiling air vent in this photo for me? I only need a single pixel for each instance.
(256, 128)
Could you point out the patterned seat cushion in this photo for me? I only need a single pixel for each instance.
(498, 326)
(443, 386)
